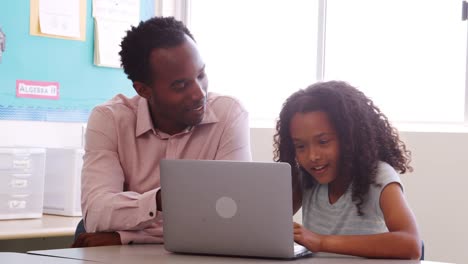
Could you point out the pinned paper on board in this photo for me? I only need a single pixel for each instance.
(58, 19)
(2, 43)
(117, 10)
(108, 35)
(112, 19)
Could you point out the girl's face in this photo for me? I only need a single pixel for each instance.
(316, 145)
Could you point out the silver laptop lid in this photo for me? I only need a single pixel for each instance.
(227, 207)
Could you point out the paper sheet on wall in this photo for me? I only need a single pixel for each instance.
(59, 17)
(107, 37)
(112, 19)
(117, 10)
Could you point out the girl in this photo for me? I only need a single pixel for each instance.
(345, 158)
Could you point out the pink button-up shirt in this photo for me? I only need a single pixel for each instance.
(120, 174)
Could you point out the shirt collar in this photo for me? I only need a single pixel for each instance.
(144, 122)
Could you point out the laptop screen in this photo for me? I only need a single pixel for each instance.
(227, 207)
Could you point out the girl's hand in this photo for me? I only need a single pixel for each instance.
(307, 238)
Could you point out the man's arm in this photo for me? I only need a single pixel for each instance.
(106, 207)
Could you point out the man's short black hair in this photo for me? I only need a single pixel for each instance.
(140, 41)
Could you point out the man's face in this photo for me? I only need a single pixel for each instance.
(179, 87)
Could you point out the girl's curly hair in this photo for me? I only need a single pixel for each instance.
(364, 132)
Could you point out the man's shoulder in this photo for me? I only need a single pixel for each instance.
(222, 103)
(120, 104)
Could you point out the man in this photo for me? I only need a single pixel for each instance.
(172, 117)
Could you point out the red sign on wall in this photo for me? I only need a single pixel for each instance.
(39, 90)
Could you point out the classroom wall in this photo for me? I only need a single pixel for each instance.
(435, 190)
(68, 62)
(82, 85)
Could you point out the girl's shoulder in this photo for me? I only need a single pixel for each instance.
(386, 174)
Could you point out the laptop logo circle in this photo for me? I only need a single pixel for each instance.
(226, 207)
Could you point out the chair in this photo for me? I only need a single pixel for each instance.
(80, 229)
(422, 250)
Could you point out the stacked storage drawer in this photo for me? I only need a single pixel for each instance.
(21, 182)
(62, 191)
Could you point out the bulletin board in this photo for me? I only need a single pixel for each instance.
(66, 61)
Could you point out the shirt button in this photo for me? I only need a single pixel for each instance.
(151, 214)
(130, 243)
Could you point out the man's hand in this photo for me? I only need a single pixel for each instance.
(97, 239)
(307, 238)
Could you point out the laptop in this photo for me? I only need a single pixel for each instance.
(228, 208)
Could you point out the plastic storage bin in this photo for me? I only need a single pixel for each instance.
(21, 182)
(62, 192)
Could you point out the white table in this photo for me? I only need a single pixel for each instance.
(154, 253)
(20, 258)
(47, 226)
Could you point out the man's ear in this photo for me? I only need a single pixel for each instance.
(142, 89)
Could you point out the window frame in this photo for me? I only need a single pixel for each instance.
(182, 12)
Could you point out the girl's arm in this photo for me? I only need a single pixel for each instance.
(402, 241)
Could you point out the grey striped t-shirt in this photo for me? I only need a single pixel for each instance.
(341, 218)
